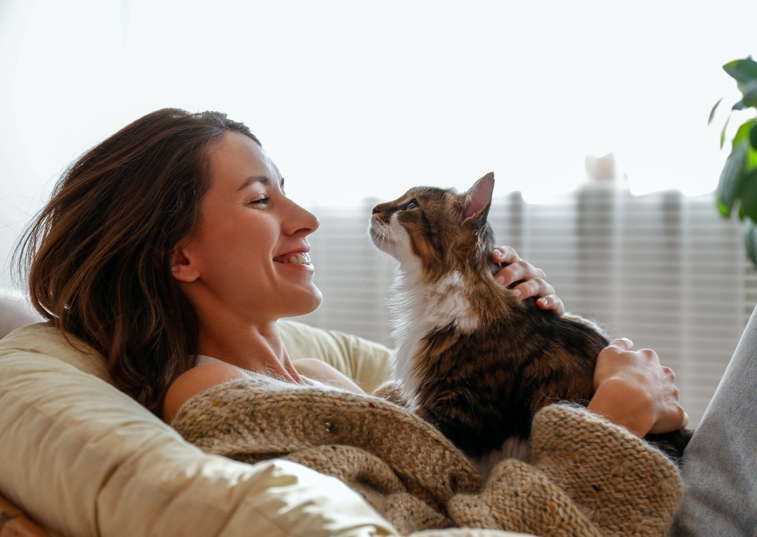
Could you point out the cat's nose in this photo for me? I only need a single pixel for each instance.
(376, 209)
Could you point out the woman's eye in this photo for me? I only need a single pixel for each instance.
(412, 205)
(260, 201)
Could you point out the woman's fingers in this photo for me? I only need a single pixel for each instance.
(671, 415)
(525, 280)
(514, 269)
(552, 303)
(533, 288)
(505, 255)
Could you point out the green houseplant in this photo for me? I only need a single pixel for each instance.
(737, 188)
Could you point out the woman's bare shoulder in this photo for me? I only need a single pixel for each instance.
(194, 381)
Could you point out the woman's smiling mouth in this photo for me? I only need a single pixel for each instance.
(302, 258)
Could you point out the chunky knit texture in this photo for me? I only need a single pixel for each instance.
(588, 477)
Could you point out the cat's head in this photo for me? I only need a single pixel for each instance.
(436, 229)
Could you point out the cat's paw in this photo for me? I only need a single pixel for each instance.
(390, 391)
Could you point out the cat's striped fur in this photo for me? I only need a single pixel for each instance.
(472, 358)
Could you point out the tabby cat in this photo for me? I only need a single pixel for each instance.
(472, 358)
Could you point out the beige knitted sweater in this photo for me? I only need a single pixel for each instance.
(588, 477)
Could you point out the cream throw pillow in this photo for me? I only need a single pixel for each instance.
(81, 458)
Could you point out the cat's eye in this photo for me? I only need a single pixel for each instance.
(412, 205)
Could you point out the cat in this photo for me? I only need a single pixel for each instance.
(473, 359)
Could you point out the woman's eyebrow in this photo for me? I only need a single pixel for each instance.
(264, 180)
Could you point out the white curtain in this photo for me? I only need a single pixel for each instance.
(664, 270)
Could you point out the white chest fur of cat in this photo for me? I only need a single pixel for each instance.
(420, 307)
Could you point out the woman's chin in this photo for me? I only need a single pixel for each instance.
(308, 303)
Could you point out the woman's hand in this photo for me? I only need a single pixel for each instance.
(633, 390)
(530, 281)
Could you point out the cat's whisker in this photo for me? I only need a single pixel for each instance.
(396, 244)
(374, 267)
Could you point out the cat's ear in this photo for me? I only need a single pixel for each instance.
(478, 198)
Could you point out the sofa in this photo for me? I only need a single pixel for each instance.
(80, 458)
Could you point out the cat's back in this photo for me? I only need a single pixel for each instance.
(483, 386)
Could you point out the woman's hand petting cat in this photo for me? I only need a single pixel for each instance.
(635, 391)
(530, 281)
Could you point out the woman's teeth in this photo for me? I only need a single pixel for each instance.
(301, 259)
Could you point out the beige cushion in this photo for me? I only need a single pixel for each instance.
(364, 361)
(15, 311)
(82, 458)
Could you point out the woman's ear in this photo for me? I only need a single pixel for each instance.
(182, 269)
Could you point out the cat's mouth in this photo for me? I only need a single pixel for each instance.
(384, 241)
(381, 238)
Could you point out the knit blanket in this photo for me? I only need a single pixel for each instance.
(588, 477)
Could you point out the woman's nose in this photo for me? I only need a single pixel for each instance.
(314, 222)
(302, 220)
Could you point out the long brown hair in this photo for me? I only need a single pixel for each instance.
(96, 257)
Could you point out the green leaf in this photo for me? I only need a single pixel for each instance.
(722, 131)
(753, 137)
(751, 158)
(712, 112)
(749, 89)
(748, 196)
(742, 135)
(742, 70)
(731, 179)
(749, 232)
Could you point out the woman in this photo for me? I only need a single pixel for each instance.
(174, 239)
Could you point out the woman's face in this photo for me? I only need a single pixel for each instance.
(249, 254)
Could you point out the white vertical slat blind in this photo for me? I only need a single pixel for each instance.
(664, 270)
(352, 274)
